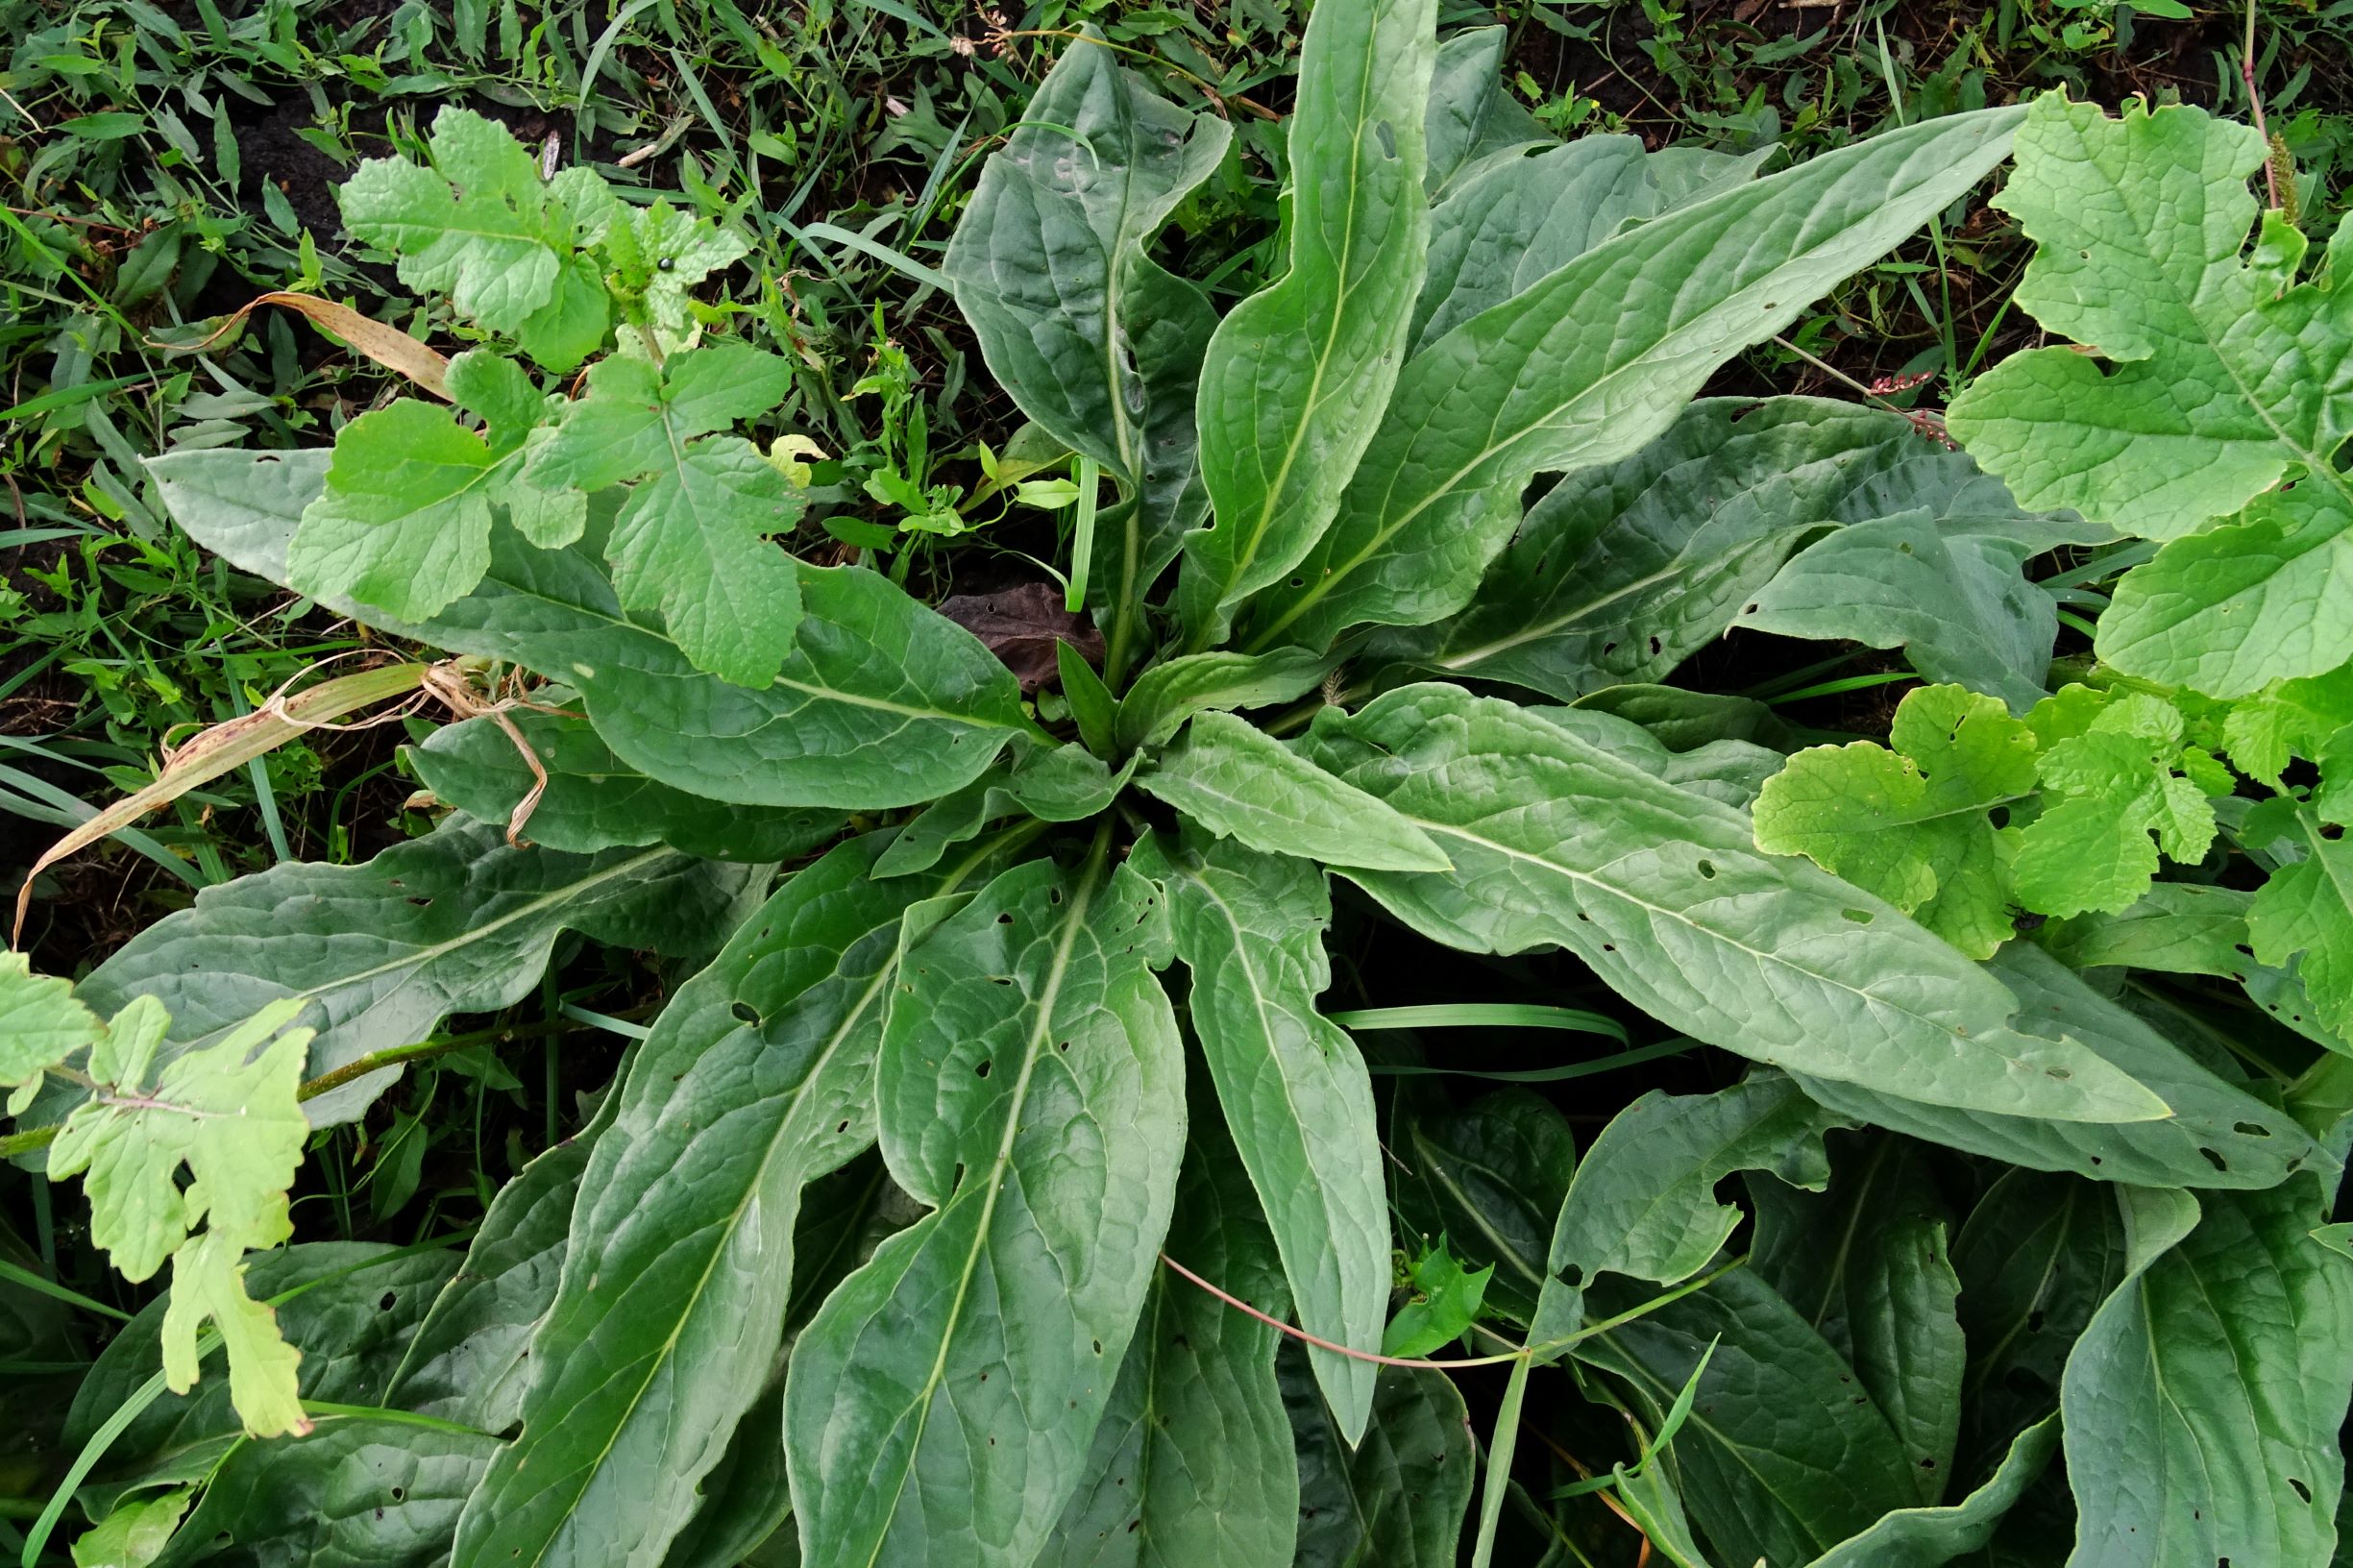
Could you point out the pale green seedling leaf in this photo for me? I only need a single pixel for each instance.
(1909, 820)
(2292, 719)
(2106, 791)
(136, 1533)
(1445, 1302)
(2307, 908)
(403, 524)
(208, 1286)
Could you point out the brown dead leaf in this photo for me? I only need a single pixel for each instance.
(1021, 625)
(388, 345)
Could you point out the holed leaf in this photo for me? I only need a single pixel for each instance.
(1030, 1086)
(2306, 909)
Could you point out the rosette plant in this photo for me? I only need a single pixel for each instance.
(1396, 559)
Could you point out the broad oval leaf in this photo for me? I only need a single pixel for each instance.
(1590, 364)
(757, 1079)
(1031, 1087)
(1558, 842)
(1250, 927)
(1296, 376)
(1242, 783)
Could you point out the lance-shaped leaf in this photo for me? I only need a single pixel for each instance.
(1558, 843)
(455, 922)
(1865, 1263)
(2218, 383)
(880, 704)
(593, 800)
(1512, 220)
(1193, 1461)
(939, 1404)
(1395, 1500)
(2176, 929)
(1097, 342)
(2218, 1135)
(1298, 374)
(1909, 820)
(1052, 783)
(1621, 572)
(1590, 364)
(1490, 1178)
(467, 1360)
(2202, 1402)
(1239, 782)
(1170, 692)
(757, 1079)
(1759, 1484)
(1928, 1537)
(1251, 928)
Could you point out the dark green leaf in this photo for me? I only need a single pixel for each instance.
(1167, 695)
(1490, 1177)
(1397, 1499)
(1239, 782)
(1929, 1536)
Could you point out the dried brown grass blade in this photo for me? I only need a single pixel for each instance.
(388, 345)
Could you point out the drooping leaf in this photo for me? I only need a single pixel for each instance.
(1397, 1499)
(2202, 1402)
(1926, 1537)
(1028, 626)
(1095, 341)
(757, 1078)
(1170, 692)
(2175, 928)
(1296, 376)
(1591, 363)
(2217, 1134)
(881, 703)
(1250, 927)
(1193, 1460)
(453, 922)
(1030, 1086)
(594, 801)
(1908, 821)
(1558, 842)
(1865, 1263)
(1490, 1177)
(1758, 1482)
(1239, 782)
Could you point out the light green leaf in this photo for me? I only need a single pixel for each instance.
(1043, 1118)
(1590, 364)
(2107, 789)
(1445, 1300)
(2306, 909)
(1193, 1463)
(1091, 339)
(1558, 843)
(2217, 1134)
(1928, 1538)
(1908, 821)
(1643, 1203)
(40, 1022)
(1251, 928)
(1163, 697)
(1239, 782)
(2214, 388)
(1490, 1177)
(1757, 1484)
(134, 1535)
(475, 227)
(1622, 572)
(2293, 719)
(1298, 374)
(1472, 114)
(594, 801)
(209, 1285)
(2176, 929)
(756, 1079)
(1396, 1500)
(673, 251)
(1865, 1264)
(882, 702)
(455, 922)
(403, 524)
(2202, 1402)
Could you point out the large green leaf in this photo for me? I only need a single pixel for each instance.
(1298, 374)
(593, 800)
(1170, 692)
(1192, 1463)
(404, 522)
(941, 1404)
(1558, 843)
(2217, 1135)
(1239, 782)
(1512, 220)
(1094, 340)
(1490, 1178)
(1865, 1264)
(1591, 363)
(1395, 1500)
(458, 921)
(1251, 927)
(1780, 1460)
(1929, 1536)
(757, 1078)
(467, 1360)
(1472, 115)
(880, 704)
(358, 1492)
(2202, 1402)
